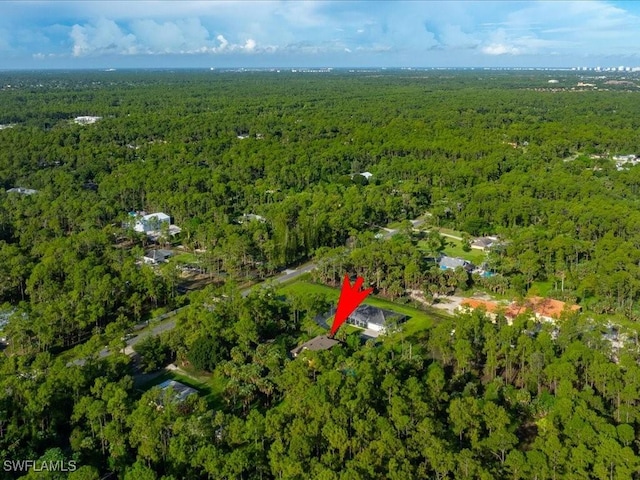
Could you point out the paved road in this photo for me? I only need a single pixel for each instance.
(170, 323)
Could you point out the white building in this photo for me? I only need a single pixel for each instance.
(174, 392)
(366, 175)
(22, 191)
(151, 222)
(86, 120)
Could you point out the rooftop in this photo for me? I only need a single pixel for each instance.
(453, 262)
(182, 391)
(484, 242)
(321, 342)
(158, 255)
(490, 307)
(86, 119)
(542, 307)
(250, 217)
(22, 191)
(377, 316)
(548, 307)
(158, 215)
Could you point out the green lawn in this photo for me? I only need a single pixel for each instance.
(449, 231)
(187, 258)
(454, 249)
(418, 319)
(394, 225)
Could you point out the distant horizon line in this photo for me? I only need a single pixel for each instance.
(302, 69)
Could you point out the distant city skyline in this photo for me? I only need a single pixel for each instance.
(285, 34)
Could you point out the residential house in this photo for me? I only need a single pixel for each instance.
(156, 256)
(151, 222)
(548, 309)
(491, 308)
(250, 217)
(366, 175)
(4, 321)
(544, 309)
(22, 191)
(451, 263)
(86, 120)
(180, 390)
(321, 342)
(484, 243)
(375, 319)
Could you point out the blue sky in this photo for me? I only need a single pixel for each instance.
(103, 34)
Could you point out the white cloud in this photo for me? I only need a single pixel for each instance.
(452, 36)
(223, 43)
(169, 37)
(250, 45)
(103, 37)
(575, 27)
(393, 30)
(150, 37)
(500, 49)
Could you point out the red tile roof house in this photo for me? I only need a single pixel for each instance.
(491, 308)
(545, 309)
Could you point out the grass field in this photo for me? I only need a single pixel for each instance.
(454, 249)
(418, 319)
(185, 257)
(449, 231)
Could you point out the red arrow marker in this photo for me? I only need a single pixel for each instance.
(350, 298)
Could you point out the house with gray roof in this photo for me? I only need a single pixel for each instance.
(484, 243)
(154, 257)
(451, 263)
(321, 342)
(179, 390)
(375, 319)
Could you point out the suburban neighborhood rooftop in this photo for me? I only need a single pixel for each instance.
(321, 342)
(22, 191)
(368, 314)
(543, 308)
(182, 390)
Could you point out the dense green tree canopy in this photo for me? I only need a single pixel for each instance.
(260, 170)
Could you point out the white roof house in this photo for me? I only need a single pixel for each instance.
(250, 217)
(86, 120)
(151, 222)
(366, 175)
(180, 391)
(22, 191)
